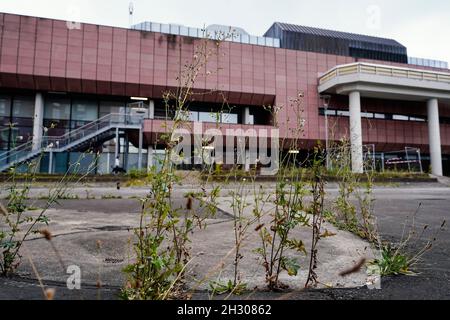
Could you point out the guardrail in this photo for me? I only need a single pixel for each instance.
(383, 70)
(59, 143)
(200, 33)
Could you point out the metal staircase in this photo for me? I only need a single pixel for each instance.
(82, 138)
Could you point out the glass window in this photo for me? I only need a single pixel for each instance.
(165, 28)
(400, 117)
(21, 135)
(245, 38)
(23, 107)
(230, 118)
(59, 162)
(5, 106)
(57, 108)
(84, 110)
(56, 127)
(107, 107)
(251, 120)
(367, 114)
(329, 112)
(343, 113)
(207, 117)
(193, 116)
(380, 116)
(4, 136)
(417, 119)
(86, 162)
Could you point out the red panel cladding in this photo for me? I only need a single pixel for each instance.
(90, 47)
(211, 69)
(146, 91)
(75, 53)
(234, 97)
(43, 47)
(133, 57)
(223, 67)
(27, 43)
(58, 84)
(25, 82)
(58, 59)
(119, 57)
(247, 68)
(132, 89)
(269, 71)
(235, 67)
(160, 60)
(146, 60)
(9, 80)
(10, 44)
(117, 88)
(104, 57)
(73, 85)
(104, 87)
(89, 86)
(158, 91)
(42, 83)
(257, 99)
(174, 66)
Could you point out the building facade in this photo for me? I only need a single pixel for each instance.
(57, 77)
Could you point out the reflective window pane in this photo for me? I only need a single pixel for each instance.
(343, 113)
(5, 106)
(57, 108)
(193, 116)
(107, 107)
(23, 106)
(207, 117)
(400, 117)
(230, 118)
(84, 110)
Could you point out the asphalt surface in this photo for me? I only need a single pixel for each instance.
(394, 207)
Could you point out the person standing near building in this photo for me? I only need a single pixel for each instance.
(117, 168)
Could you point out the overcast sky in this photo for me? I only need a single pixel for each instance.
(422, 26)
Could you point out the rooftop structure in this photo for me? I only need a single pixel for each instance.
(213, 32)
(335, 42)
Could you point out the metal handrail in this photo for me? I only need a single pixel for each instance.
(385, 70)
(59, 142)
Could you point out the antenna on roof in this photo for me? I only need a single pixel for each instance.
(131, 11)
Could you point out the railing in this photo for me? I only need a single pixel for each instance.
(201, 33)
(382, 70)
(16, 153)
(60, 143)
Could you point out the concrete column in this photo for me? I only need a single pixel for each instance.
(434, 135)
(246, 115)
(126, 151)
(151, 109)
(50, 162)
(117, 146)
(247, 161)
(38, 121)
(356, 132)
(141, 138)
(149, 158)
